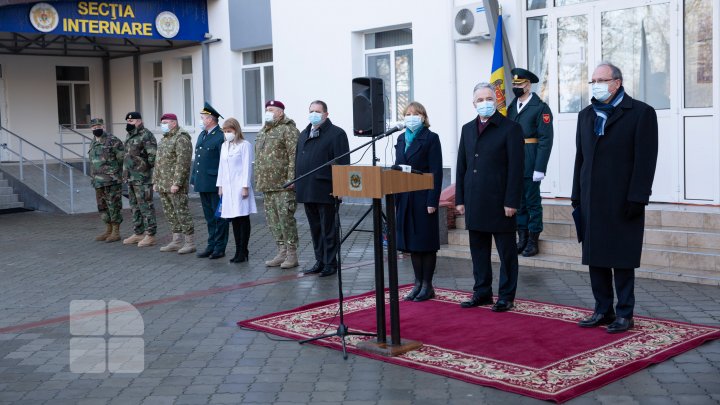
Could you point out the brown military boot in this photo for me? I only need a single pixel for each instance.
(189, 245)
(174, 245)
(115, 234)
(279, 257)
(133, 240)
(104, 235)
(148, 240)
(291, 259)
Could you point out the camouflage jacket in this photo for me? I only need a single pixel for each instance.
(174, 154)
(140, 151)
(275, 154)
(106, 160)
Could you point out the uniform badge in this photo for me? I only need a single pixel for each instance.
(546, 118)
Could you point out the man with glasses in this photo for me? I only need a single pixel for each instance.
(617, 146)
(535, 118)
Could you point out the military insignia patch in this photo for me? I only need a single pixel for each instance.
(546, 118)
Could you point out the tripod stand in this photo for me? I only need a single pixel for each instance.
(342, 329)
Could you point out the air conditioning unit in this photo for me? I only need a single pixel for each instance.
(470, 23)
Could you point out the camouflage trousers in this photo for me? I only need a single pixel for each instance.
(143, 210)
(280, 215)
(175, 207)
(109, 203)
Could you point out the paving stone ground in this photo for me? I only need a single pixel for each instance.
(195, 354)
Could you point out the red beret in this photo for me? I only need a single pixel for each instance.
(168, 116)
(275, 103)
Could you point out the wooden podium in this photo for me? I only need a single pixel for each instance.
(375, 182)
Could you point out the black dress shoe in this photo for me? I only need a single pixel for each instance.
(476, 302)
(328, 271)
(620, 325)
(204, 254)
(238, 258)
(502, 306)
(317, 268)
(425, 294)
(597, 319)
(414, 292)
(216, 255)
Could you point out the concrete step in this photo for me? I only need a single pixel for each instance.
(5, 190)
(8, 206)
(4, 183)
(7, 199)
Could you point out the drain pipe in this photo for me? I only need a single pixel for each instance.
(206, 64)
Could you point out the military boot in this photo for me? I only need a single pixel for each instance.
(522, 240)
(279, 257)
(532, 247)
(291, 260)
(189, 245)
(104, 235)
(133, 240)
(148, 240)
(174, 245)
(115, 234)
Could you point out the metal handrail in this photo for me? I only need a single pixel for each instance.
(62, 144)
(45, 154)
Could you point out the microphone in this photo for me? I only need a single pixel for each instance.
(405, 168)
(398, 126)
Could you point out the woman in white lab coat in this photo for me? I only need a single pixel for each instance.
(234, 183)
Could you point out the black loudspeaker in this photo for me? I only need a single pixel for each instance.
(368, 106)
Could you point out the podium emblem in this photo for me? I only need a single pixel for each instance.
(355, 181)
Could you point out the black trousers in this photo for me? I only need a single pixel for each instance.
(480, 247)
(241, 232)
(601, 280)
(217, 227)
(321, 218)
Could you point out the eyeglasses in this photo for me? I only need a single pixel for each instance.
(601, 81)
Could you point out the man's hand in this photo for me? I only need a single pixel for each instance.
(431, 210)
(538, 176)
(174, 189)
(245, 192)
(509, 212)
(460, 209)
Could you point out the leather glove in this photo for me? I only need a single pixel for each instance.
(575, 203)
(538, 176)
(634, 209)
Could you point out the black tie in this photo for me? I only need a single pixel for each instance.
(519, 106)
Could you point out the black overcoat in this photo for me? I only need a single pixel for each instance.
(611, 170)
(489, 173)
(311, 153)
(418, 231)
(204, 171)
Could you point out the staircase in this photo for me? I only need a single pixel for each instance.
(682, 243)
(8, 200)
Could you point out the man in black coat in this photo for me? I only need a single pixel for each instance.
(319, 143)
(535, 118)
(203, 177)
(489, 179)
(617, 146)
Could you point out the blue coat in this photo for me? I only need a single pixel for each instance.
(207, 160)
(418, 231)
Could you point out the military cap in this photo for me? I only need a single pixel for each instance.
(521, 75)
(275, 103)
(168, 116)
(97, 121)
(208, 109)
(133, 116)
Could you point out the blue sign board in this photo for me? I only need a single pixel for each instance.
(170, 19)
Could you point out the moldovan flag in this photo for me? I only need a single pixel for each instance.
(497, 74)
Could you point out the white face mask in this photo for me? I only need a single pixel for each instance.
(269, 116)
(201, 126)
(600, 91)
(230, 136)
(165, 128)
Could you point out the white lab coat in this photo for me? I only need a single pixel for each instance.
(234, 173)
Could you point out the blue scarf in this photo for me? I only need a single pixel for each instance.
(603, 111)
(410, 137)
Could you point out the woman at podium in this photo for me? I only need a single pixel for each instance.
(418, 226)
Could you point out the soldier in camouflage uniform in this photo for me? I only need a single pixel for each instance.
(171, 178)
(140, 151)
(106, 160)
(275, 165)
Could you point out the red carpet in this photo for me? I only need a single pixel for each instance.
(535, 350)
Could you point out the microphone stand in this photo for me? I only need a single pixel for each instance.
(342, 330)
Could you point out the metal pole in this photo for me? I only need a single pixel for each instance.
(22, 176)
(84, 155)
(72, 191)
(392, 272)
(45, 173)
(62, 144)
(379, 271)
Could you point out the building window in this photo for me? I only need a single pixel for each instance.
(157, 91)
(187, 92)
(389, 56)
(73, 96)
(258, 84)
(537, 28)
(698, 32)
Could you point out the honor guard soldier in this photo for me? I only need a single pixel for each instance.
(204, 179)
(106, 156)
(535, 118)
(140, 152)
